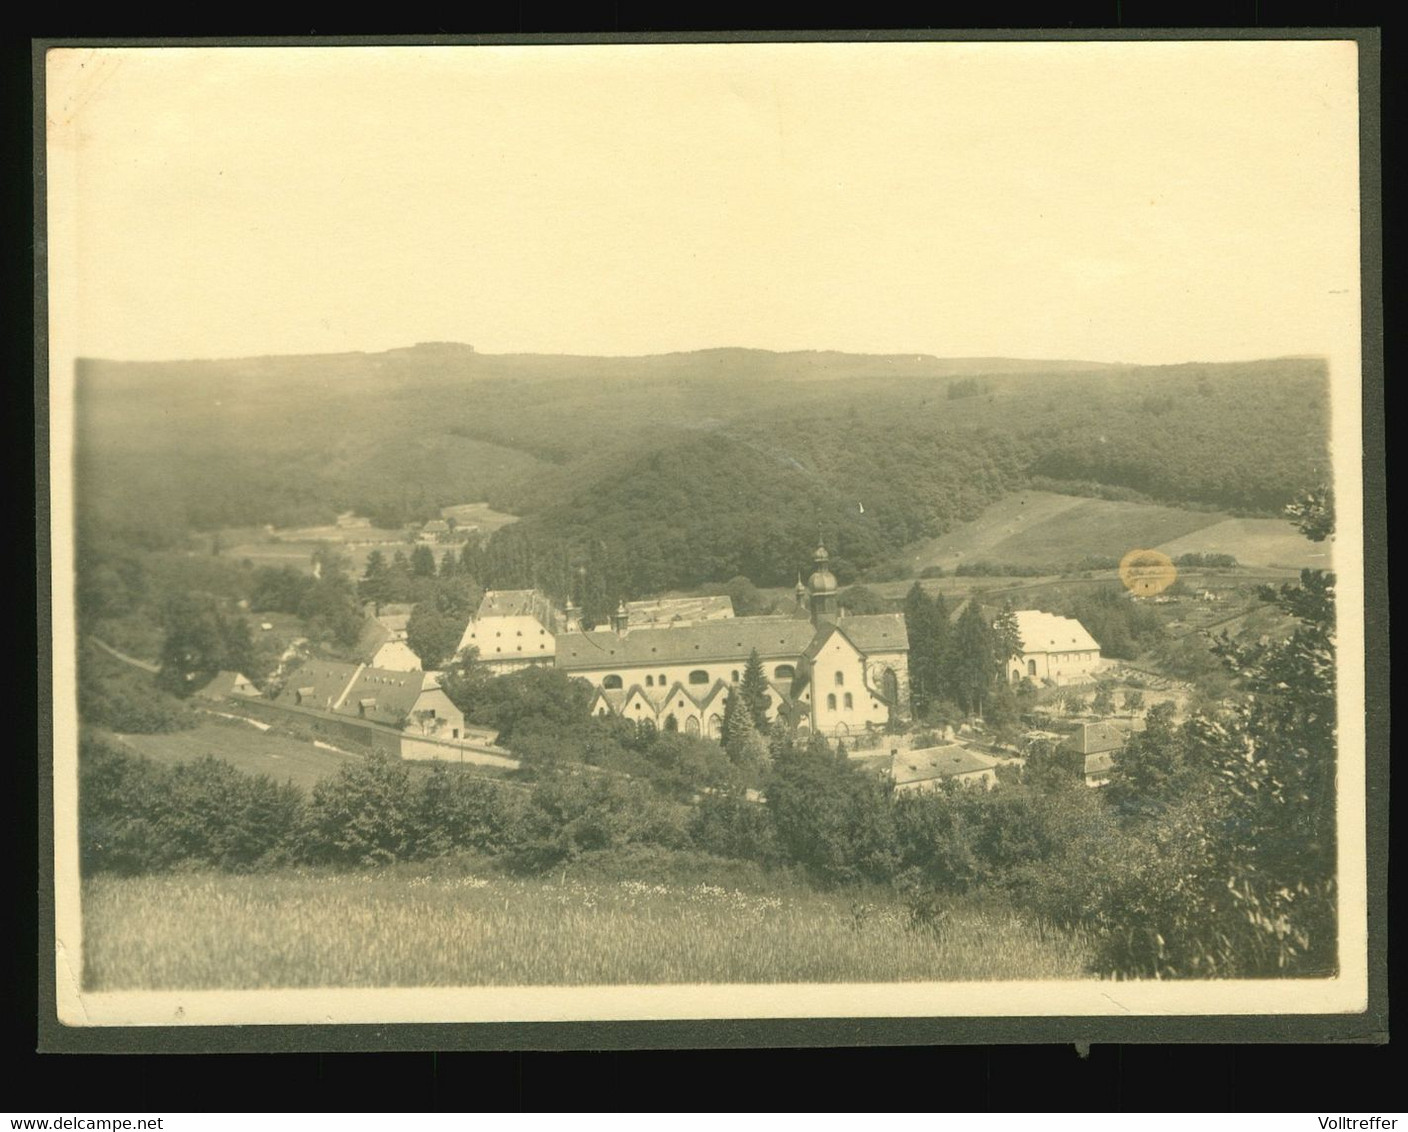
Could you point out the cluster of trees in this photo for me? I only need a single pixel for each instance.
(114, 694)
(1206, 561)
(957, 666)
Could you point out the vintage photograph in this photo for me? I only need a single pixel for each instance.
(724, 530)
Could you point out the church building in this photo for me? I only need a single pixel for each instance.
(825, 671)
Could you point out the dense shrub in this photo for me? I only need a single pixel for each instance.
(137, 816)
(576, 812)
(728, 825)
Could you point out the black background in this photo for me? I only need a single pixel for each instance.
(1050, 1075)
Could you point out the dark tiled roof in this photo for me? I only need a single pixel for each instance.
(374, 635)
(1097, 738)
(317, 684)
(877, 632)
(936, 762)
(383, 696)
(873, 632)
(732, 639)
(1099, 764)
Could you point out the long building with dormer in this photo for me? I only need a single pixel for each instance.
(825, 671)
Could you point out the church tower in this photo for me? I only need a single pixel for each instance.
(822, 587)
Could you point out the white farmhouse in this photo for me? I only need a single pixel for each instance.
(1055, 650)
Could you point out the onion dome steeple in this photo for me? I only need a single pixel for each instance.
(822, 586)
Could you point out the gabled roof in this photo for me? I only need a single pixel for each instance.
(731, 639)
(374, 634)
(1098, 765)
(937, 762)
(1048, 632)
(384, 696)
(228, 683)
(614, 697)
(698, 699)
(317, 684)
(1098, 738)
(873, 632)
(677, 611)
(876, 632)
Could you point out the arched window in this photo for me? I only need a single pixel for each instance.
(716, 726)
(849, 702)
(784, 672)
(650, 681)
(691, 726)
(612, 681)
(890, 685)
(671, 723)
(735, 676)
(661, 680)
(601, 710)
(699, 676)
(840, 679)
(831, 702)
(1031, 668)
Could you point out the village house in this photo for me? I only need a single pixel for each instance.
(1055, 650)
(512, 629)
(1097, 743)
(825, 671)
(228, 684)
(382, 643)
(411, 702)
(930, 767)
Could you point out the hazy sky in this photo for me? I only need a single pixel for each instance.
(1136, 202)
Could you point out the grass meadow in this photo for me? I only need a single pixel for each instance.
(282, 758)
(409, 926)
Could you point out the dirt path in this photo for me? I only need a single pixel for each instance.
(145, 666)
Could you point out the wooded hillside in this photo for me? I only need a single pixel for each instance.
(685, 468)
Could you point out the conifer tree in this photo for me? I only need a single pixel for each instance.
(919, 617)
(753, 691)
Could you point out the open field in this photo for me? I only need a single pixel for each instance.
(1037, 528)
(479, 515)
(245, 747)
(1254, 542)
(408, 927)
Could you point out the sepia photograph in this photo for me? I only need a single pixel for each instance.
(706, 530)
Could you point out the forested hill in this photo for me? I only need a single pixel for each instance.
(681, 468)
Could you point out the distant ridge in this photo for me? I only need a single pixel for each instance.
(926, 364)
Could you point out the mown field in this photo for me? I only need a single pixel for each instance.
(243, 746)
(1038, 528)
(405, 926)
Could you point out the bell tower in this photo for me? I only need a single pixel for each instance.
(822, 588)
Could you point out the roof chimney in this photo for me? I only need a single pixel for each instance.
(620, 620)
